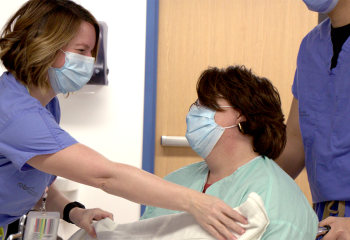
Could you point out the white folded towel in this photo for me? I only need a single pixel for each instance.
(179, 226)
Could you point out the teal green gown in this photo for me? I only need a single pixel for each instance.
(290, 214)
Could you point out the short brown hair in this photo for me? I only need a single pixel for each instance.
(32, 37)
(255, 98)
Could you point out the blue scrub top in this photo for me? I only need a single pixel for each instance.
(324, 114)
(27, 129)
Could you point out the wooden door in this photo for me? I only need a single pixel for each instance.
(263, 35)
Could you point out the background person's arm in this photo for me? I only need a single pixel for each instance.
(84, 165)
(292, 159)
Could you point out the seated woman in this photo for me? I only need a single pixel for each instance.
(237, 127)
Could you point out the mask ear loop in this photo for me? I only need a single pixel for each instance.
(228, 107)
(230, 127)
(239, 125)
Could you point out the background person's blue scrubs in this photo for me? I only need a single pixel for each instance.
(322, 87)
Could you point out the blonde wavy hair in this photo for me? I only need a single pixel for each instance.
(32, 37)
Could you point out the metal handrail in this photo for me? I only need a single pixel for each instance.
(174, 141)
(19, 235)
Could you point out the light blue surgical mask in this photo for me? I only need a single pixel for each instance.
(202, 131)
(321, 6)
(74, 74)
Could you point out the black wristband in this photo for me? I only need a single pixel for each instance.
(69, 207)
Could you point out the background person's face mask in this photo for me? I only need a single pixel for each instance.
(321, 6)
(202, 131)
(74, 74)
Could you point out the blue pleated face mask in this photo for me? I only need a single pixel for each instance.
(321, 6)
(202, 131)
(74, 74)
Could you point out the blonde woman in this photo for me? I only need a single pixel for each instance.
(48, 47)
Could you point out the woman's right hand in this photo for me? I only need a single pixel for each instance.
(84, 217)
(215, 216)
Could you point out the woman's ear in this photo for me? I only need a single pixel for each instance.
(241, 118)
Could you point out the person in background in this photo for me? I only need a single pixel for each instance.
(49, 47)
(318, 132)
(237, 126)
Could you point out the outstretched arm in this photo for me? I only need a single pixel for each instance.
(84, 165)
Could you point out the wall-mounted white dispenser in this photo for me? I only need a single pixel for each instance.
(101, 70)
